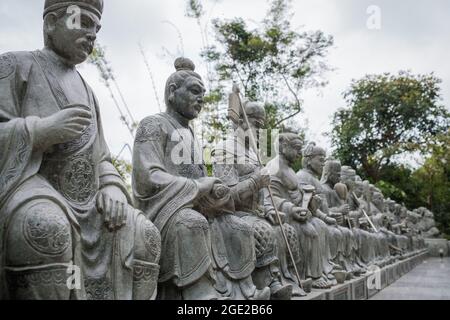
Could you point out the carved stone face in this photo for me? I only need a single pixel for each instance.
(188, 98)
(359, 189)
(378, 200)
(317, 163)
(73, 43)
(292, 150)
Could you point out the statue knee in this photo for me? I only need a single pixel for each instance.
(38, 233)
(147, 241)
(264, 238)
(146, 258)
(294, 244)
(192, 220)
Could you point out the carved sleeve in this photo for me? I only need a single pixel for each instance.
(16, 133)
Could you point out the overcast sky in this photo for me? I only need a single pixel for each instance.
(414, 35)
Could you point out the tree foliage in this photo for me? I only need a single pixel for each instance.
(272, 63)
(387, 115)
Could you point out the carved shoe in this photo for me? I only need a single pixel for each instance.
(263, 294)
(280, 292)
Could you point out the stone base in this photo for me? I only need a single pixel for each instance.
(358, 289)
(314, 295)
(340, 292)
(434, 245)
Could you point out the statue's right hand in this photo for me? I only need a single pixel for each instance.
(63, 126)
(300, 214)
(206, 185)
(330, 221)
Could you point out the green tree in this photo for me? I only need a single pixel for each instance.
(273, 63)
(433, 181)
(387, 116)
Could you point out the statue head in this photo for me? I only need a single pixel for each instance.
(378, 200)
(348, 177)
(332, 172)
(185, 91)
(71, 27)
(290, 146)
(390, 205)
(256, 114)
(359, 189)
(314, 158)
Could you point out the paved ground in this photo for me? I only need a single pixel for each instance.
(428, 281)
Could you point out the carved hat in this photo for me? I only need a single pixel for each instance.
(95, 6)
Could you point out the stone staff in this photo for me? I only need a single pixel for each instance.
(235, 106)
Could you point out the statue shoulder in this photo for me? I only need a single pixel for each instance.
(151, 128)
(12, 61)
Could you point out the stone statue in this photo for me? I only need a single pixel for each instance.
(290, 199)
(379, 219)
(363, 232)
(207, 251)
(62, 202)
(338, 205)
(236, 163)
(427, 224)
(329, 236)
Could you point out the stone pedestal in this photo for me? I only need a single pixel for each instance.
(390, 275)
(434, 245)
(314, 295)
(359, 289)
(340, 292)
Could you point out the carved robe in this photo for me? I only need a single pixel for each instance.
(327, 234)
(48, 199)
(347, 240)
(287, 195)
(235, 164)
(194, 242)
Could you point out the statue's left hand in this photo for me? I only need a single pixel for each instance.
(113, 204)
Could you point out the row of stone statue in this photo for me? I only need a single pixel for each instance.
(70, 229)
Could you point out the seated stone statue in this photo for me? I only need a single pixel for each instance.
(337, 204)
(62, 202)
(207, 251)
(236, 163)
(378, 217)
(362, 230)
(290, 199)
(427, 224)
(330, 237)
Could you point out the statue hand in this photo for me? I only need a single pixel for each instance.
(339, 217)
(344, 209)
(316, 202)
(262, 178)
(330, 221)
(63, 126)
(113, 204)
(273, 219)
(206, 185)
(300, 214)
